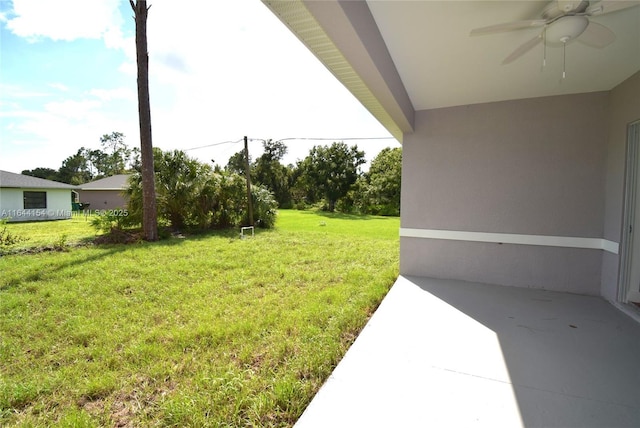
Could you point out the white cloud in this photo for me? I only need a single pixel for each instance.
(46, 137)
(114, 94)
(15, 91)
(59, 86)
(64, 19)
(72, 109)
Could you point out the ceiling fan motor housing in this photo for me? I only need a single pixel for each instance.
(556, 9)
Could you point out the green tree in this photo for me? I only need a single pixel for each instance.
(268, 171)
(179, 180)
(273, 150)
(115, 155)
(46, 173)
(236, 163)
(75, 169)
(97, 161)
(330, 171)
(380, 190)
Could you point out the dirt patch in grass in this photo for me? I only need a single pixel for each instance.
(119, 236)
(128, 409)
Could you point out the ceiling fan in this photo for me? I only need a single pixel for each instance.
(563, 21)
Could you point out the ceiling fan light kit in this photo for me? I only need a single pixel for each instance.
(563, 21)
(565, 29)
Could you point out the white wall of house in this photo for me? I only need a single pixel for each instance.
(12, 205)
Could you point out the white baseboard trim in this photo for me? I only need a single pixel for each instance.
(512, 238)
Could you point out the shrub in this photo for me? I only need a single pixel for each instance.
(191, 195)
(107, 221)
(265, 205)
(7, 238)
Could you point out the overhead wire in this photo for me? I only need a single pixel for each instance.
(214, 144)
(290, 139)
(335, 139)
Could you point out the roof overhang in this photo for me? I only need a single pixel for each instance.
(336, 30)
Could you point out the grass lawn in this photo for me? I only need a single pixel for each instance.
(209, 330)
(50, 233)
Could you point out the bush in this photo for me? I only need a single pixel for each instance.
(191, 196)
(229, 200)
(7, 238)
(264, 206)
(107, 221)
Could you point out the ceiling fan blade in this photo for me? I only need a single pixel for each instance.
(523, 49)
(597, 36)
(508, 26)
(607, 6)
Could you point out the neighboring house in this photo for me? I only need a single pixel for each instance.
(511, 174)
(104, 194)
(26, 198)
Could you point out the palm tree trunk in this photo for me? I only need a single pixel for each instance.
(149, 214)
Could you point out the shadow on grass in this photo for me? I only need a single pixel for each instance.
(38, 273)
(343, 216)
(229, 233)
(88, 252)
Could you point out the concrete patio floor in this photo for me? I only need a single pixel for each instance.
(450, 353)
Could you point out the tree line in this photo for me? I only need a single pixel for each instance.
(190, 193)
(329, 178)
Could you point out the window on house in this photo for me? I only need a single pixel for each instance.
(33, 200)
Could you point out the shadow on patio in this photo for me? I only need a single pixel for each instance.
(452, 353)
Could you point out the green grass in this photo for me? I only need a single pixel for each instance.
(50, 233)
(209, 330)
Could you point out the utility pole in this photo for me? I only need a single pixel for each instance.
(248, 172)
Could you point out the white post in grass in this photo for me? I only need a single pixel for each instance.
(242, 229)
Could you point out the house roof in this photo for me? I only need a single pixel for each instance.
(115, 182)
(12, 180)
(399, 57)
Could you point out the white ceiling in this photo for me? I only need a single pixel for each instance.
(442, 66)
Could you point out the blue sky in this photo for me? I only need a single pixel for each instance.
(218, 71)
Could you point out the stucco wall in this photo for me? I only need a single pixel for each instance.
(534, 167)
(12, 205)
(102, 199)
(625, 109)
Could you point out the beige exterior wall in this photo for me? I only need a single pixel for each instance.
(102, 199)
(12, 205)
(528, 167)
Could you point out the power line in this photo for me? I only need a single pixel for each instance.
(214, 144)
(329, 139)
(290, 139)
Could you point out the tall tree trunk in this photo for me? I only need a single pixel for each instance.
(149, 214)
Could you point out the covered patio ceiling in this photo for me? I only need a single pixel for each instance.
(441, 65)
